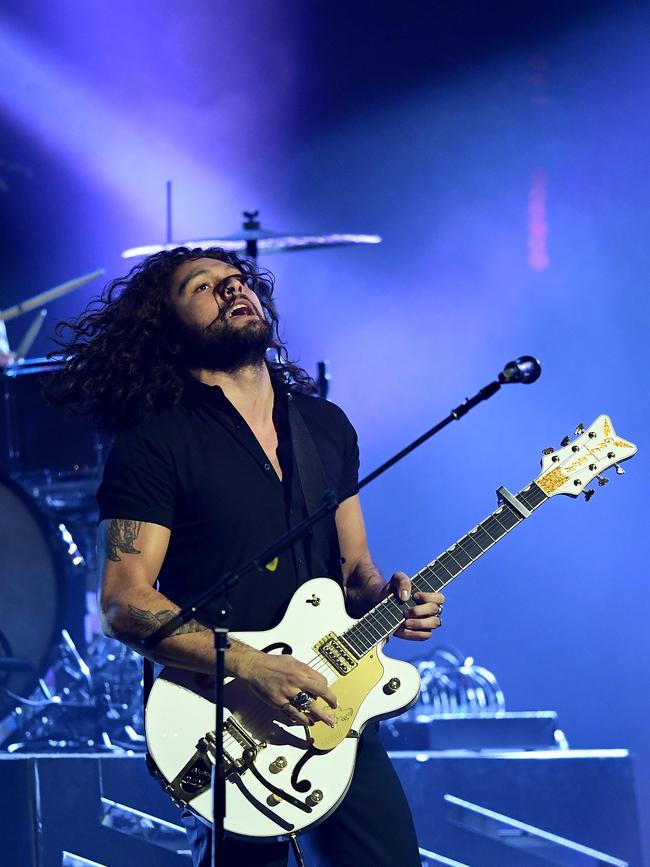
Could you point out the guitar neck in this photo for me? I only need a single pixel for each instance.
(382, 620)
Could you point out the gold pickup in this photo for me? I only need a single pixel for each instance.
(335, 652)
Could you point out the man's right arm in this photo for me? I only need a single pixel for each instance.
(131, 609)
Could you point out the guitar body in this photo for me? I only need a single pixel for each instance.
(282, 777)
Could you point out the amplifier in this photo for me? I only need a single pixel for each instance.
(533, 730)
(523, 809)
(86, 809)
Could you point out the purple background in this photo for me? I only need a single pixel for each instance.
(430, 127)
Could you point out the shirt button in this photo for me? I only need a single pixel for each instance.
(267, 466)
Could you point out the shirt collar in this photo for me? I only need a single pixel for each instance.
(197, 393)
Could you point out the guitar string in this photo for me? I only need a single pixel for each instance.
(362, 628)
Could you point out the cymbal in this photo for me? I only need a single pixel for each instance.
(252, 239)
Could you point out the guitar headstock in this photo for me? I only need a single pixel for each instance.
(569, 469)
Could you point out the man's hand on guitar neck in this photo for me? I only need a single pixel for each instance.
(365, 585)
(423, 617)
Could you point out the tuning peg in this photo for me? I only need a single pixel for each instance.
(548, 450)
(588, 494)
(580, 429)
(565, 442)
(602, 480)
(619, 470)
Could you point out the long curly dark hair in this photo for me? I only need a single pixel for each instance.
(122, 356)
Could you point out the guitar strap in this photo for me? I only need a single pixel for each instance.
(147, 682)
(312, 480)
(313, 483)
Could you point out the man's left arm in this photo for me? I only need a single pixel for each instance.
(365, 585)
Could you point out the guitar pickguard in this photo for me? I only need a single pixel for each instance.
(350, 691)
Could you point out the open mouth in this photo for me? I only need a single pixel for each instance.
(241, 308)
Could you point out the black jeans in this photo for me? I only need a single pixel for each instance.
(372, 826)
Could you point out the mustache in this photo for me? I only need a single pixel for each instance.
(223, 317)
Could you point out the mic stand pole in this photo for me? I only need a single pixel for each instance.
(525, 369)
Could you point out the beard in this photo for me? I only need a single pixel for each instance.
(224, 347)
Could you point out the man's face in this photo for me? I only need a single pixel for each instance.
(222, 322)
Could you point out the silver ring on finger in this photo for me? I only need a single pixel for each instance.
(301, 701)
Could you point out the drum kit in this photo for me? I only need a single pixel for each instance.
(62, 684)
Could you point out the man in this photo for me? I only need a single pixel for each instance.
(201, 477)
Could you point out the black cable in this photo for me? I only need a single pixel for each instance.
(295, 846)
(42, 702)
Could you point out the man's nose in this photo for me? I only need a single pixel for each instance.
(228, 292)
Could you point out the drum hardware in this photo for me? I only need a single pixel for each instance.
(94, 705)
(453, 684)
(68, 461)
(30, 335)
(49, 295)
(252, 239)
(75, 555)
(32, 589)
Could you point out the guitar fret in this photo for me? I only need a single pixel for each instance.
(440, 572)
(532, 496)
(372, 627)
(508, 518)
(430, 583)
(493, 528)
(448, 565)
(352, 642)
(436, 579)
(469, 546)
(384, 618)
(482, 538)
(362, 639)
(381, 621)
(460, 556)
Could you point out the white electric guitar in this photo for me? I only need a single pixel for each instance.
(283, 777)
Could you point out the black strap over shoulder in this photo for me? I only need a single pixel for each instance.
(311, 476)
(147, 678)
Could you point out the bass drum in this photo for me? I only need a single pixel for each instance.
(31, 592)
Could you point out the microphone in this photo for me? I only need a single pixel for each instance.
(525, 370)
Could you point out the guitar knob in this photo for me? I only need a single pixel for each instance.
(588, 494)
(548, 450)
(565, 442)
(619, 470)
(278, 765)
(580, 429)
(315, 798)
(392, 686)
(602, 480)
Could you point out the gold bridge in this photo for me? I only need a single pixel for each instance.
(194, 778)
(334, 651)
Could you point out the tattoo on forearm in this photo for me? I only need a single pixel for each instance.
(121, 536)
(148, 621)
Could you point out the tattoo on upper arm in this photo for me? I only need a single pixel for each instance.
(149, 621)
(121, 537)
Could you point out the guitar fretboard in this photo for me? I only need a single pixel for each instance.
(382, 620)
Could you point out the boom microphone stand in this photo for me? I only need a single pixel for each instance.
(525, 370)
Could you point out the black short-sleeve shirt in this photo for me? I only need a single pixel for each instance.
(198, 469)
